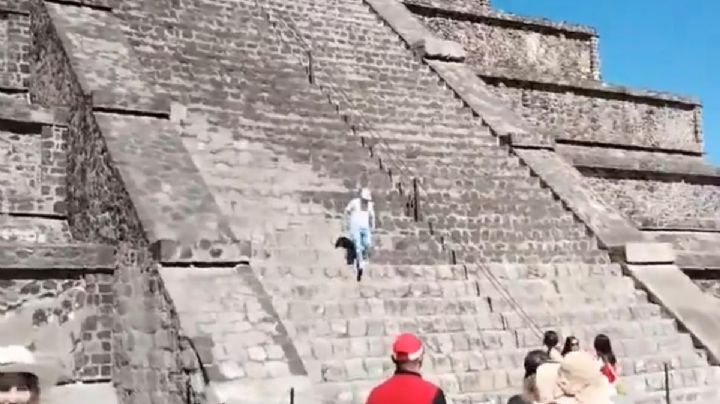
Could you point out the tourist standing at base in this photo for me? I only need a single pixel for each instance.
(533, 360)
(607, 359)
(360, 214)
(576, 380)
(572, 344)
(551, 341)
(22, 378)
(407, 386)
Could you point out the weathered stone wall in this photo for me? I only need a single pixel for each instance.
(147, 361)
(585, 116)
(649, 202)
(498, 43)
(32, 169)
(14, 46)
(72, 317)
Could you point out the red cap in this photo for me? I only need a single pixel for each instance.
(407, 347)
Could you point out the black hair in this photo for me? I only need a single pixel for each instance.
(569, 342)
(604, 350)
(533, 360)
(517, 399)
(550, 339)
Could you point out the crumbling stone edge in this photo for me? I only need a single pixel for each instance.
(612, 229)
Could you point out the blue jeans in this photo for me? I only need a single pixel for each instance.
(362, 238)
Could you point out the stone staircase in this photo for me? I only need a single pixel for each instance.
(475, 336)
(282, 149)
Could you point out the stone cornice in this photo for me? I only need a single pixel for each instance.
(444, 8)
(590, 87)
(620, 160)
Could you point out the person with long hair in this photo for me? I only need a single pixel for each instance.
(604, 352)
(551, 340)
(533, 360)
(572, 344)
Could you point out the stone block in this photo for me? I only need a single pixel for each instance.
(649, 253)
(435, 48)
(178, 112)
(48, 256)
(678, 295)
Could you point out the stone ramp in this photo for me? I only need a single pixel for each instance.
(241, 341)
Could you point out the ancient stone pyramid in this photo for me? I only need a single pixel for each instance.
(173, 174)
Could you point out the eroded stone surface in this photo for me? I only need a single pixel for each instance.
(576, 116)
(14, 43)
(33, 230)
(32, 164)
(491, 44)
(68, 319)
(656, 204)
(172, 199)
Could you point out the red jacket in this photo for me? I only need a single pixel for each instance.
(406, 388)
(609, 372)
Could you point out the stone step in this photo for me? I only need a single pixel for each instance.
(559, 218)
(515, 244)
(441, 370)
(364, 325)
(496, 384)
(299, 309)
(679, 378)
(535, 208)
(434, 180)
(491, 163)
(436, 148)
(557, 252)
(410, 272)
(500, 271)
(458, 192)
(518, 234)
(286, 256)
(481, 288)
(694, 395)
(662, 333)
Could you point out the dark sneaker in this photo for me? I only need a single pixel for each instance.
(359, 274)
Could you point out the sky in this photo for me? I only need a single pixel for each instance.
(667, 45)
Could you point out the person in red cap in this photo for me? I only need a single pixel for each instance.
(406, 386)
